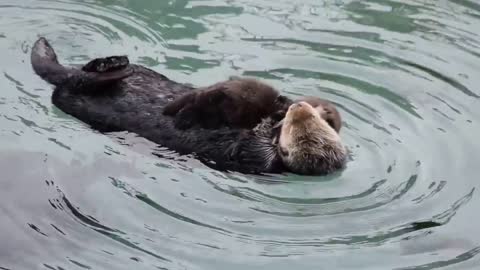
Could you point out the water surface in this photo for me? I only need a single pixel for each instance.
(404, 75)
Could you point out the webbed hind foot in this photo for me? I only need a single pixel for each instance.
(106, 64)
(107, 70)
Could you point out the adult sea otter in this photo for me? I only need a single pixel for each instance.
(111, 95)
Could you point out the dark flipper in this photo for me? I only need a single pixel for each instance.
(46, 65)
(107, 70)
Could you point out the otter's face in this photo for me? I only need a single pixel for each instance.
(300, 111)
(306, 140)
(302, 123)
(302, 115)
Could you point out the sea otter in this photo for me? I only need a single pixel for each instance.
(131, 98)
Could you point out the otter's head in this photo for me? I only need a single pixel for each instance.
(308, 144)
(327, 111)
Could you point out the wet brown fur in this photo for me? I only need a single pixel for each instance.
(238, 102)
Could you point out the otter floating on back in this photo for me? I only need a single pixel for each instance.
(132, 98)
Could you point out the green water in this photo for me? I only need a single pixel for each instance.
(404, 75)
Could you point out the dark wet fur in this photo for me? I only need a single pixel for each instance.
(132, 99)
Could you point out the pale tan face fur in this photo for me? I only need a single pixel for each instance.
(306, 137)
(302, 118)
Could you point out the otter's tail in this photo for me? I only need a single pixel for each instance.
(45, 63)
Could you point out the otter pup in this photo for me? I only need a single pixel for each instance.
(307, 143)
(237, 102)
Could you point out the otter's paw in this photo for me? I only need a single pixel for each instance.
(107, 64)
